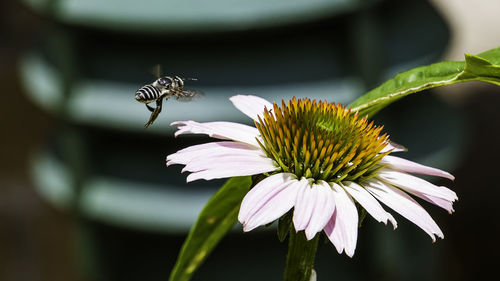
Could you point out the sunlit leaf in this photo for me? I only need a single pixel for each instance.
(483, 67)
(215, 220)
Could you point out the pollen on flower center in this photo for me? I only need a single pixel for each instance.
(321, 140)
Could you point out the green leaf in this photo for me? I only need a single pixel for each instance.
(483, 67)
(217, 217)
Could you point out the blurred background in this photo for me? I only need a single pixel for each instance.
(85, 194)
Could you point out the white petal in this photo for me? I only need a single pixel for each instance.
(369, 203)
(210, 162)
(413, 167)
(304, 204)
(421, 188)
(323, 210)
(222, 160)
(252, 106)
(232, 168)
(402, 203)
(394, 146)
(342, 229)
(220, 130)
(268, 200)
(212, 149)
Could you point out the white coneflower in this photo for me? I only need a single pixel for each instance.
(319, 159)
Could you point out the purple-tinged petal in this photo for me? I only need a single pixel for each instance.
(335, 237)
(402, 203)
(369, 203)
(443, 203)
(394, 147)
(323, 210)
(268, 200)
(404, 165)
(213, 149)
(438, 195)
(342, 229)
(251, 106)
(220, 130)
(304, 204)
(262, 191)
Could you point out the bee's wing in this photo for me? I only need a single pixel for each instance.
(189, 95)
(156, 71)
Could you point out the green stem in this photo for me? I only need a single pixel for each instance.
(300, 259)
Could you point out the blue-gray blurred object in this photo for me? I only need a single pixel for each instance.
(160, 16)
(94, 55)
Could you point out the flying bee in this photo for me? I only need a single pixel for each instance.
(164, 88)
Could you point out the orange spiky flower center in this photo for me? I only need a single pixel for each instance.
(321, 140)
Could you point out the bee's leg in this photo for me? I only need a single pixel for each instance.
(155, 113)
(152, 109)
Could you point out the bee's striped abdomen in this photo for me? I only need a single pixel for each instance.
(147, 94)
